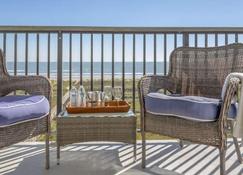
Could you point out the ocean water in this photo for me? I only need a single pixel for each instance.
(86, 68)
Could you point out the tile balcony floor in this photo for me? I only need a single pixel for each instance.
(106, 158)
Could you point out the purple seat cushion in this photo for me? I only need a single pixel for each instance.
(15, 109)
(188, 107)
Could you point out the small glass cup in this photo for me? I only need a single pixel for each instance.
(108, 93)
(92, 97)
(101, 98)
(117, 93)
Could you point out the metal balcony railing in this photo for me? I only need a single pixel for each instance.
(52, 48)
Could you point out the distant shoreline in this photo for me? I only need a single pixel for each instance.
(119, 68)
(87, 77)
(86, 69)
(76, 76)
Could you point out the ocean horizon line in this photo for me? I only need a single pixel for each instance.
(86, 68)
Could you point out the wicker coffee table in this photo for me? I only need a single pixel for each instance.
(115, 127)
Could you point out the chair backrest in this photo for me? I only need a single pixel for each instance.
(202, 71)
(3, 70)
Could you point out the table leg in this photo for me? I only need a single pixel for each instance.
(58, 154)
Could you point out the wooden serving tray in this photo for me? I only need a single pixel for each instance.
(110, 107)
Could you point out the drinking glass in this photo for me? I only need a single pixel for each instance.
(92, 97)
(108, 92)
(117, 93)
(101, 97)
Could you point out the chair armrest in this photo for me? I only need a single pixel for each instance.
(230, 91)
(34, 85)
(149, 84)
(153, 83)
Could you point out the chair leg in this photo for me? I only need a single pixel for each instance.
(237, 149)
(143, 149)
(47, 151)
(135, 152)
(181, 143)
(222, 161)
(58, 154)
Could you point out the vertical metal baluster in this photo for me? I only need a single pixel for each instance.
(155, 55)
(4, 48)
(113, 60)
(175, 40)
(165, 54)
(206, 40)
(81, 59)
(236, 37)
(91, 65)
(216, 39)
(15, 54)
(226, 38)
(102, 62)
(196, 56)
(26, 53)
(144, 54)
(185, 39)
(59, 72)
(123, 66)
(4, 44)
(48, 55)
(133, 70)
(70, 61)
(37, 54)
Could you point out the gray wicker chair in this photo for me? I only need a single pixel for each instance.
(34, 85)
(196, 72)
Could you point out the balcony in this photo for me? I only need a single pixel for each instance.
(97, 57)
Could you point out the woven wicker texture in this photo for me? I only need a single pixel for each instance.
(200, 72)
(34, 85)
(83, 129)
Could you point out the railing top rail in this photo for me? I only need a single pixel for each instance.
(93, 29)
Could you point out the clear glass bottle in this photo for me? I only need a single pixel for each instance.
(82, 96)
(73, 96)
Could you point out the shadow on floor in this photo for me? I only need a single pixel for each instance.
(163, 157)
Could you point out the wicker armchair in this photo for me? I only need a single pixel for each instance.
(194, 72)
(33, 85)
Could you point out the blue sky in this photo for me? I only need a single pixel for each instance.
(160, 13)
(122, 12)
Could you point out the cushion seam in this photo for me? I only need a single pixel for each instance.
(180, 116)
